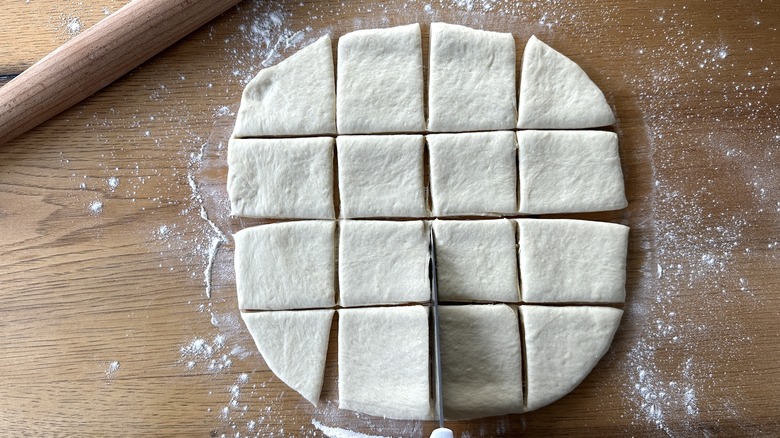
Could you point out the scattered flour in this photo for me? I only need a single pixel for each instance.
(334, 432)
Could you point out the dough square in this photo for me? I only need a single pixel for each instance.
(381, 175)
(379, 86)
(383, 263)
(288, 265)
(476, 260)
(562, 345)
(295, 97)
(566, 260)
(569, 172)
(281, 177)
(472, 79)
(481, 360)
(473, 173)
(384, 362)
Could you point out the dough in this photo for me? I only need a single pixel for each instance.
(473, 173)
(381, 176)
(562, 345)
(383, 263)
(476, 260)
(472, 79)
(556, 94)
(481, 361)
(380, 81)
(287, 265)
(281, 178)
(384, 362)
(564, 260)
(295, 97)
(294, 346)
(569, 172)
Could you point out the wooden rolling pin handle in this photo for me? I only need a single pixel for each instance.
(97, 57)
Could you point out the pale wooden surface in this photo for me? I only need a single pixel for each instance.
(696, 94)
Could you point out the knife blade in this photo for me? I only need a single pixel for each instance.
(441, 432)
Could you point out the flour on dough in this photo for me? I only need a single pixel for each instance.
(476, 260)
(569, 172)
(381, 175)
(295, 97)
(286, 265)
(384, 362)
(380, 81)
(562, 345)
(555, 93)
(473, 173)
(481, 361)
(383, 262)
(565, 260)
(294, 345)
(281, 178)
(471, 83)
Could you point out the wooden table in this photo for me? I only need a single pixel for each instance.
(110, 211)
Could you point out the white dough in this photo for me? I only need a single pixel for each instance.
(473, 173)
(562, 345)
(381, 175)
(383, 262)
(295, 97)
(384, 362)
(472, 79)
(481, 361)
(380, 81)
(564, 260)
(556, 94)
(294, 345)
(286, 265)
(476, 260)
(569, 172)
(281, 178)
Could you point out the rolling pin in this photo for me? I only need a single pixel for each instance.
(98, 57)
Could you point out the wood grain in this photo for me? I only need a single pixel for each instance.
(695, 89)
(97, 57)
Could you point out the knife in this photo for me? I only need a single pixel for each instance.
(441, 432)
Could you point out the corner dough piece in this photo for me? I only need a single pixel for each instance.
(383, 263)
(472, 79)
(562, 345)
(287, 265)
(556, 94)
(281, 178)
(381, 176)
(481, 361)
(565, 260)
(384, 362)
(294, 345)
(380, 81)
(476, 260)
(473, 173)
(295, 97)
(570, 172)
